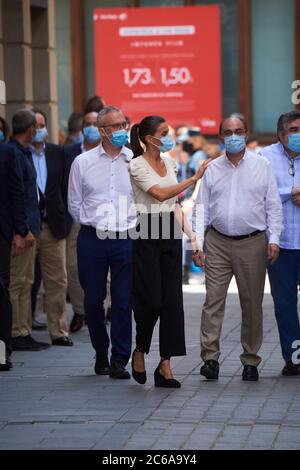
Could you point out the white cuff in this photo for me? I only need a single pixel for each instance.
(274, 239)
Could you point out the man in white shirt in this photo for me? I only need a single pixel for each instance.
(91, 139)
(101, 200)
(242, 224)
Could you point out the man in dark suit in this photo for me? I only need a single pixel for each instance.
(22, 267)
(13, 227)
(49, 162)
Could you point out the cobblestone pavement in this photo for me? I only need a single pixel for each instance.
(52, 399)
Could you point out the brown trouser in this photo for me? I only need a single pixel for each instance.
(21, 280)
(52, 258)
(246, 260)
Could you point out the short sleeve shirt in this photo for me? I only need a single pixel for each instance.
(143, 177)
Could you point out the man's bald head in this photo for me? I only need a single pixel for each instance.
(233, 123)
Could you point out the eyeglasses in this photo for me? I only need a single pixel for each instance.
(291, 166)
(118, 127)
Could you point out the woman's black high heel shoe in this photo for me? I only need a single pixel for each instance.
(160, 381)
(139, 377)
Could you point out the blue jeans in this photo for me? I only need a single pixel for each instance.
(95, 257)
(283, 277)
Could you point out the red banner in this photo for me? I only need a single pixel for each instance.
(164, 61)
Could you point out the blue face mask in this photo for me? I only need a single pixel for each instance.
(40, 136)
(2, 136)
(234, 143)
(91, 134)
(119, 138)
(167, 143)
(294, 143)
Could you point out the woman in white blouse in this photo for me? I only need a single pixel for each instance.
(157, 266)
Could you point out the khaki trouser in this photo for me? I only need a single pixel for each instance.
(52, 257)
(75, 291)
(247, 261)
(21, 280)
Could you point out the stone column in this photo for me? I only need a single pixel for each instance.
(2, 81)
(44, 65)
(16, 22)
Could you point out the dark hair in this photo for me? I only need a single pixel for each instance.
(252, 138)
(22, 120)
(5, 128)
(75, 122)
(240, 117)
(147, 126)
(39, 111)
(94, 105)
(285, 119)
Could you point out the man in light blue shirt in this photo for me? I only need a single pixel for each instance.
(285, 159)
(39, 160)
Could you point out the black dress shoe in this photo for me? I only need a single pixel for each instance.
(161, 381)
(77, 322)
(63, 341)
(250, 373)
(101, 365)
(7, 366)
(139, 377)
(118, 371)
(37, 325)
(210, 369)
(291, 369)
(25, 343)
(38, 344)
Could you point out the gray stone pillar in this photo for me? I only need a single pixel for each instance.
(16, 22)
(44, 65)
(29, 58)
(2, 108)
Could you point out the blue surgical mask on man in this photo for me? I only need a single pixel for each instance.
(234, 143)
(40, 136)
(91, 134)
(2, 136)
(119, 138)
(294, 142)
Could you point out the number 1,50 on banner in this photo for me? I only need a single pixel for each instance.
(167, 77)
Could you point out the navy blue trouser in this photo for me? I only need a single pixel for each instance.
(95, 257)
(284, 276)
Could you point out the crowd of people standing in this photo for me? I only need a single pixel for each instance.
(101, 219)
